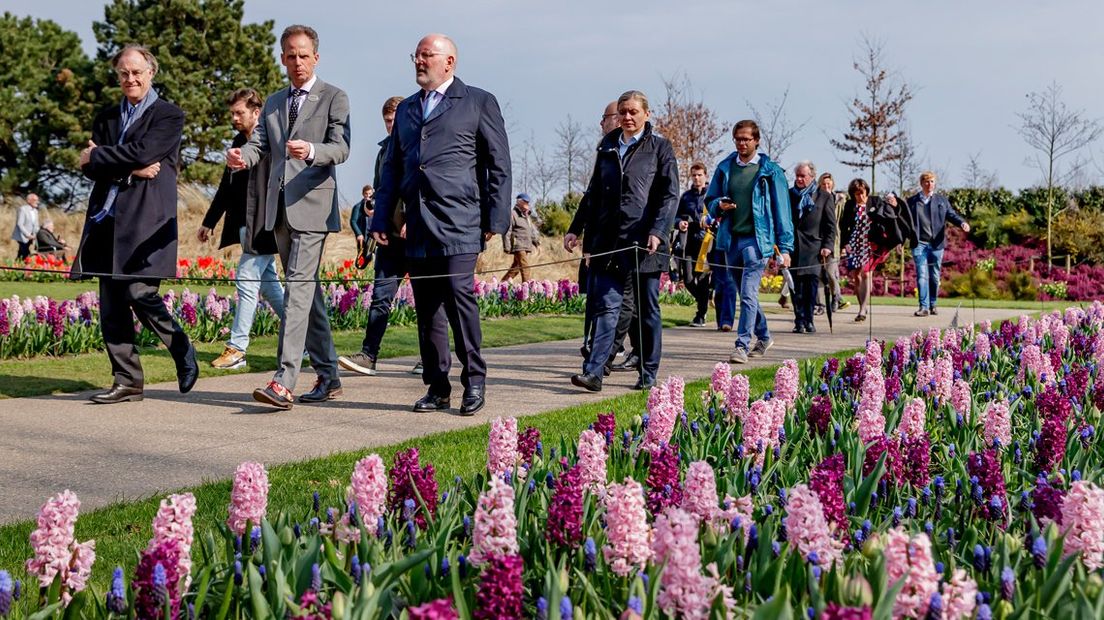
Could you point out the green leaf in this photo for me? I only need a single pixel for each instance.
(778, 608)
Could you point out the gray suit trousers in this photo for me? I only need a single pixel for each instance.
(306, 324)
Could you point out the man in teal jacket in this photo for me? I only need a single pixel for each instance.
(749, 196)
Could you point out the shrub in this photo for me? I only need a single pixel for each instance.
(976, 283)
(555, 220)
(1022, 286)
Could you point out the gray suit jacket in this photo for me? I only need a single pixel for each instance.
(310, 187)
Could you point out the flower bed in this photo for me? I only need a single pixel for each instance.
(948, 475)
(43, 326)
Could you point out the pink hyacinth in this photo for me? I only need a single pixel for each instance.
(785, 382)
(925, 374)
(944, 378)
(665, 405)
(592, 461)
(806, 528)
(959, 596)
(700, 496)
(873, 357)
(502, 446)
(1083, 523)
(249, 498)
(982, 347)
(952, 340)
(495, 530)
(871, 421)
(761, 425)
(56, 551)
(1034, 362)
(731, 509)
(961, 397)
(684, 591)
(719, 382)
(736, 399)
(368, 488)
(913, 418)
(997, 423)
(173, 522)
(628, 536)
(910, 559)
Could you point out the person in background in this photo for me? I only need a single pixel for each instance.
(632, 198)
(863, 215)
(749, 195)
(929, 213)
(359, 218)
(240, 197)
(521, 238)
(47, 242)
(26, 226)
(814, 221)
(688, 226)
(826, 183)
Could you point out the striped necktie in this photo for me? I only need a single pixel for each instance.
(293, 107)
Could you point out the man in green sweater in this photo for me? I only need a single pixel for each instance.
(749, 196)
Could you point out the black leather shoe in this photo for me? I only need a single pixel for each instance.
(322, 391)
(606, 370)
(631, 362)
(472, 401)
(644, 384)
(117, 394)
(799, 329)
(432, 402)
(588, 381)
(187, 371)
(810, 328)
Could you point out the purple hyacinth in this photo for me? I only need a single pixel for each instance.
(664, 488)
(820, 414)
(565, 510)
(411, 481)
(500, 590)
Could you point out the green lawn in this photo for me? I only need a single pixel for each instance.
(53, 375)
(950, 303)
(123, 529)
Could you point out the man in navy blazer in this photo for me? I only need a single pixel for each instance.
(930, 213)
(129, 236)
(449, 163)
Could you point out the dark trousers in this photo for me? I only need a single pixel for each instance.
(700, 287)
(804, 297)
(455, 295)
(117, 298)
(390, 269)
(724, 287)
(24, 249)
(628, 321)
(608, 290)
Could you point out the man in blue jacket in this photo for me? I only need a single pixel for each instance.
(750, 195)
(930, 213)
(449, 163)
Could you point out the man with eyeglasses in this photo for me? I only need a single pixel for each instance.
(305, 130)
(449, 164)
(129, 238)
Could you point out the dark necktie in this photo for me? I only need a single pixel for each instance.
(293, 107)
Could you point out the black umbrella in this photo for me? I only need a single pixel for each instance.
(829, 301)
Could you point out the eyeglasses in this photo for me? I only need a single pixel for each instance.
(124, 75)
(425, 56)
(738, 140)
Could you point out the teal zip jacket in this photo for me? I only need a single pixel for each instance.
(770, 206)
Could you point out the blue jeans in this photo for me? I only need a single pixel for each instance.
(747, 265)
(251, 269)
(724, 289)
(929, 262)
(607, 290)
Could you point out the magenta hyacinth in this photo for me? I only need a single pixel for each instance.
(592, 461)
(249, 497)
(149, 603)
(986, 466)
(1050, 447)
(835, 611)
(500, 592)
(826, 480)
(684, 591)
(495, 531)
(411, 481)
(440, 609)
(664, 488)
(528, 440)
(807, 529)
(628, 536)
(1047, 500)
(56, 551)
(368, 488)
(916, 454)
(173, 522)
(565, 510)
(502, 446)
(820, 414)
(606, 426)
(1083, 523)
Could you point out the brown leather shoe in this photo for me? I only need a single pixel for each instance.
(117, 394)
(322, 391)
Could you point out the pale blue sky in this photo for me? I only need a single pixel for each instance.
(970, 63)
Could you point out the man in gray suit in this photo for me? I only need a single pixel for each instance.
(305, 128)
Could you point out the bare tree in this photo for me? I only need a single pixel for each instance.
(691, 126)
(571, 155)
(975, 176)
(777, 131)
(1054, 131)
(905, 168)
(875, 116)
(543, 174)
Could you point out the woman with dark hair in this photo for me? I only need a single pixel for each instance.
(626, 216)
(870, 228)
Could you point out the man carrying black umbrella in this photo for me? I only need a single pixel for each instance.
(814, 219)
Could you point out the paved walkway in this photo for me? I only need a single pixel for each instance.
(169, 441)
